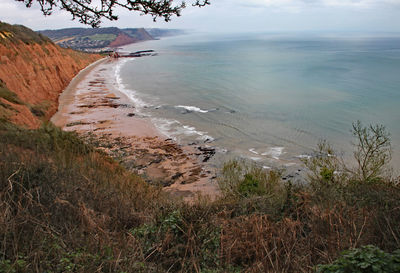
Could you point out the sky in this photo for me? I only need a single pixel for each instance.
(239, 16)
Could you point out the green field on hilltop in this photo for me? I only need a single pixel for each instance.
(101, 37)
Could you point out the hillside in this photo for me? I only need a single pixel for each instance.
(33, 72)
(91, 39)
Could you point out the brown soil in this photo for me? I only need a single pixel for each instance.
(38, 73)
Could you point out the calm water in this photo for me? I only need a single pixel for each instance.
(270, 98)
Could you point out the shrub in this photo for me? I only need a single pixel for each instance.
(373, 151)
(243, 179)
(364, 260)
(372, 155)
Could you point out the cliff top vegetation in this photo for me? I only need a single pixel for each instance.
(16, 33)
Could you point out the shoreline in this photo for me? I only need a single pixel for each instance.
(93, 107)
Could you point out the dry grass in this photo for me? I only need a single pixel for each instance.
(66, 208)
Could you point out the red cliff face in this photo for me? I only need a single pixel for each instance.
(122, 39)
(38, 73)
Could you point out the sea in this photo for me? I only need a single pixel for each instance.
(266, 97)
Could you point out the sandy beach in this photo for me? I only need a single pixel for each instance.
(93, 107)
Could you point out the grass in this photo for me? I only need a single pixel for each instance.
(40, 110)
(53, 193)
(101, 37)
(8, 95)
(21, 33)
(66, 208)
(6, 109)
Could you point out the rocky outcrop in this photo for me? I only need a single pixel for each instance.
(37, 73)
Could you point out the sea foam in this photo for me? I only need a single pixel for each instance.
(274, 152)
(173, 129)
(252, 150)
(131, 94)
(191, 108)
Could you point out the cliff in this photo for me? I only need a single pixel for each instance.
(34, 71)
(122, 39)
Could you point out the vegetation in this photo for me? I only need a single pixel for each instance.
(20, 33)
(102, 37)
(8, 95)
(365, 259)
(67, 208)
(5, 108)
(40, 110)
(91, 13)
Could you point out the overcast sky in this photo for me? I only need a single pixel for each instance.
(239, 15)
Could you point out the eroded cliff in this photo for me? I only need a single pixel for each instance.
(34, 71)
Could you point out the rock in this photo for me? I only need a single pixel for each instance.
(176, 176)
(157, 160)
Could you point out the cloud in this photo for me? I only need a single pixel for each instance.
(238, 15)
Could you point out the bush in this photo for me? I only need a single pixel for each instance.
(67, 208)
(372, 155)
(243, 179)
(373, 151)
(364, 260)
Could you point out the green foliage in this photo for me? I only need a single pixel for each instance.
(326, 168)
(327, 174)
(367, 259)
(101, 37)
(372, 155)
(243, 179)
(250, 185)
(6, 266)
(150, 234)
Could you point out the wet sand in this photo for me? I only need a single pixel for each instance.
(93, 107)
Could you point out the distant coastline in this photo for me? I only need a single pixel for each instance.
(105, 39)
